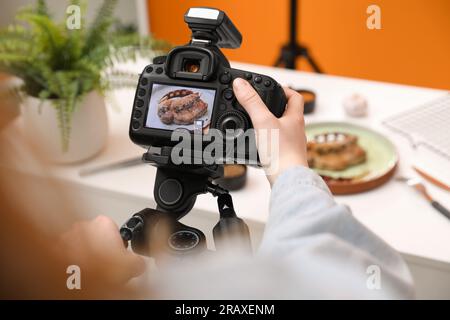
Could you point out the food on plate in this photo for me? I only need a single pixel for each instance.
(181, 107)
(334, 151)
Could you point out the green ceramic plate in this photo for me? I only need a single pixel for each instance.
(381, 154)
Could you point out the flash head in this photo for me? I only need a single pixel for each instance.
(210, 24)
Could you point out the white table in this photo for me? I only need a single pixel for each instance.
(394, 212)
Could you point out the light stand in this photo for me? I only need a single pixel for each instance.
(293, 50)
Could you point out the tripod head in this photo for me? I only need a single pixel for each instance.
(175, 192)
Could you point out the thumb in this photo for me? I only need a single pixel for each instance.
(251, 101)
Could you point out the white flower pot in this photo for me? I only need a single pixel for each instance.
(88, 134)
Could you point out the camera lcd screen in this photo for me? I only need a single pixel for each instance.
(174, 107)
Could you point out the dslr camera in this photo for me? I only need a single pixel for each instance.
(190, 89)
(188, 93)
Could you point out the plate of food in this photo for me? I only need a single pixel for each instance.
(175, 107)
(350, 158)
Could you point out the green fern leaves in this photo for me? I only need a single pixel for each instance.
(63, 65)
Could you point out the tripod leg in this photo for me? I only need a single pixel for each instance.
(312, 62)
(279, 61)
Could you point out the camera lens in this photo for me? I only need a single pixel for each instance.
(191, 65)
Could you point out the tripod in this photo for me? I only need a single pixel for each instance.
(293, 50)
(175, 191)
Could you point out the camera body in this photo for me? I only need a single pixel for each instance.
(191, 88)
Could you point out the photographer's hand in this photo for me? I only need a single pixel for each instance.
(291, 126)
(97, 248)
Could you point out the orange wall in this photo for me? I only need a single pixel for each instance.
(413, 46)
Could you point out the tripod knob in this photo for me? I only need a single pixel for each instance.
(131, 227)
(170, 191)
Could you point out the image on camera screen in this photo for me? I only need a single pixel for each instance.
(174, 107)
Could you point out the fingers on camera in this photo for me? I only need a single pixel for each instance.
(251, 101)
(295, 103)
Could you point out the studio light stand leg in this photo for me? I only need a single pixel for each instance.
(293, 50)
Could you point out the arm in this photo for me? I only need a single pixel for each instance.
(312, 233)
(319, 239)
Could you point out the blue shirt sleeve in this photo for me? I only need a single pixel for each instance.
(312, 233)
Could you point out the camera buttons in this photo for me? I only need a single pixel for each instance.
(234, 121)
(140, 102)
(248, 76)
(267, 83)
(228, 94)
(137, 114)
(159, 70)
(141, 92)
(225, 78)
(149, 69)
(144, 81)
(135, 125)
(258, 79)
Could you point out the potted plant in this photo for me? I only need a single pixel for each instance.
(65, 73)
